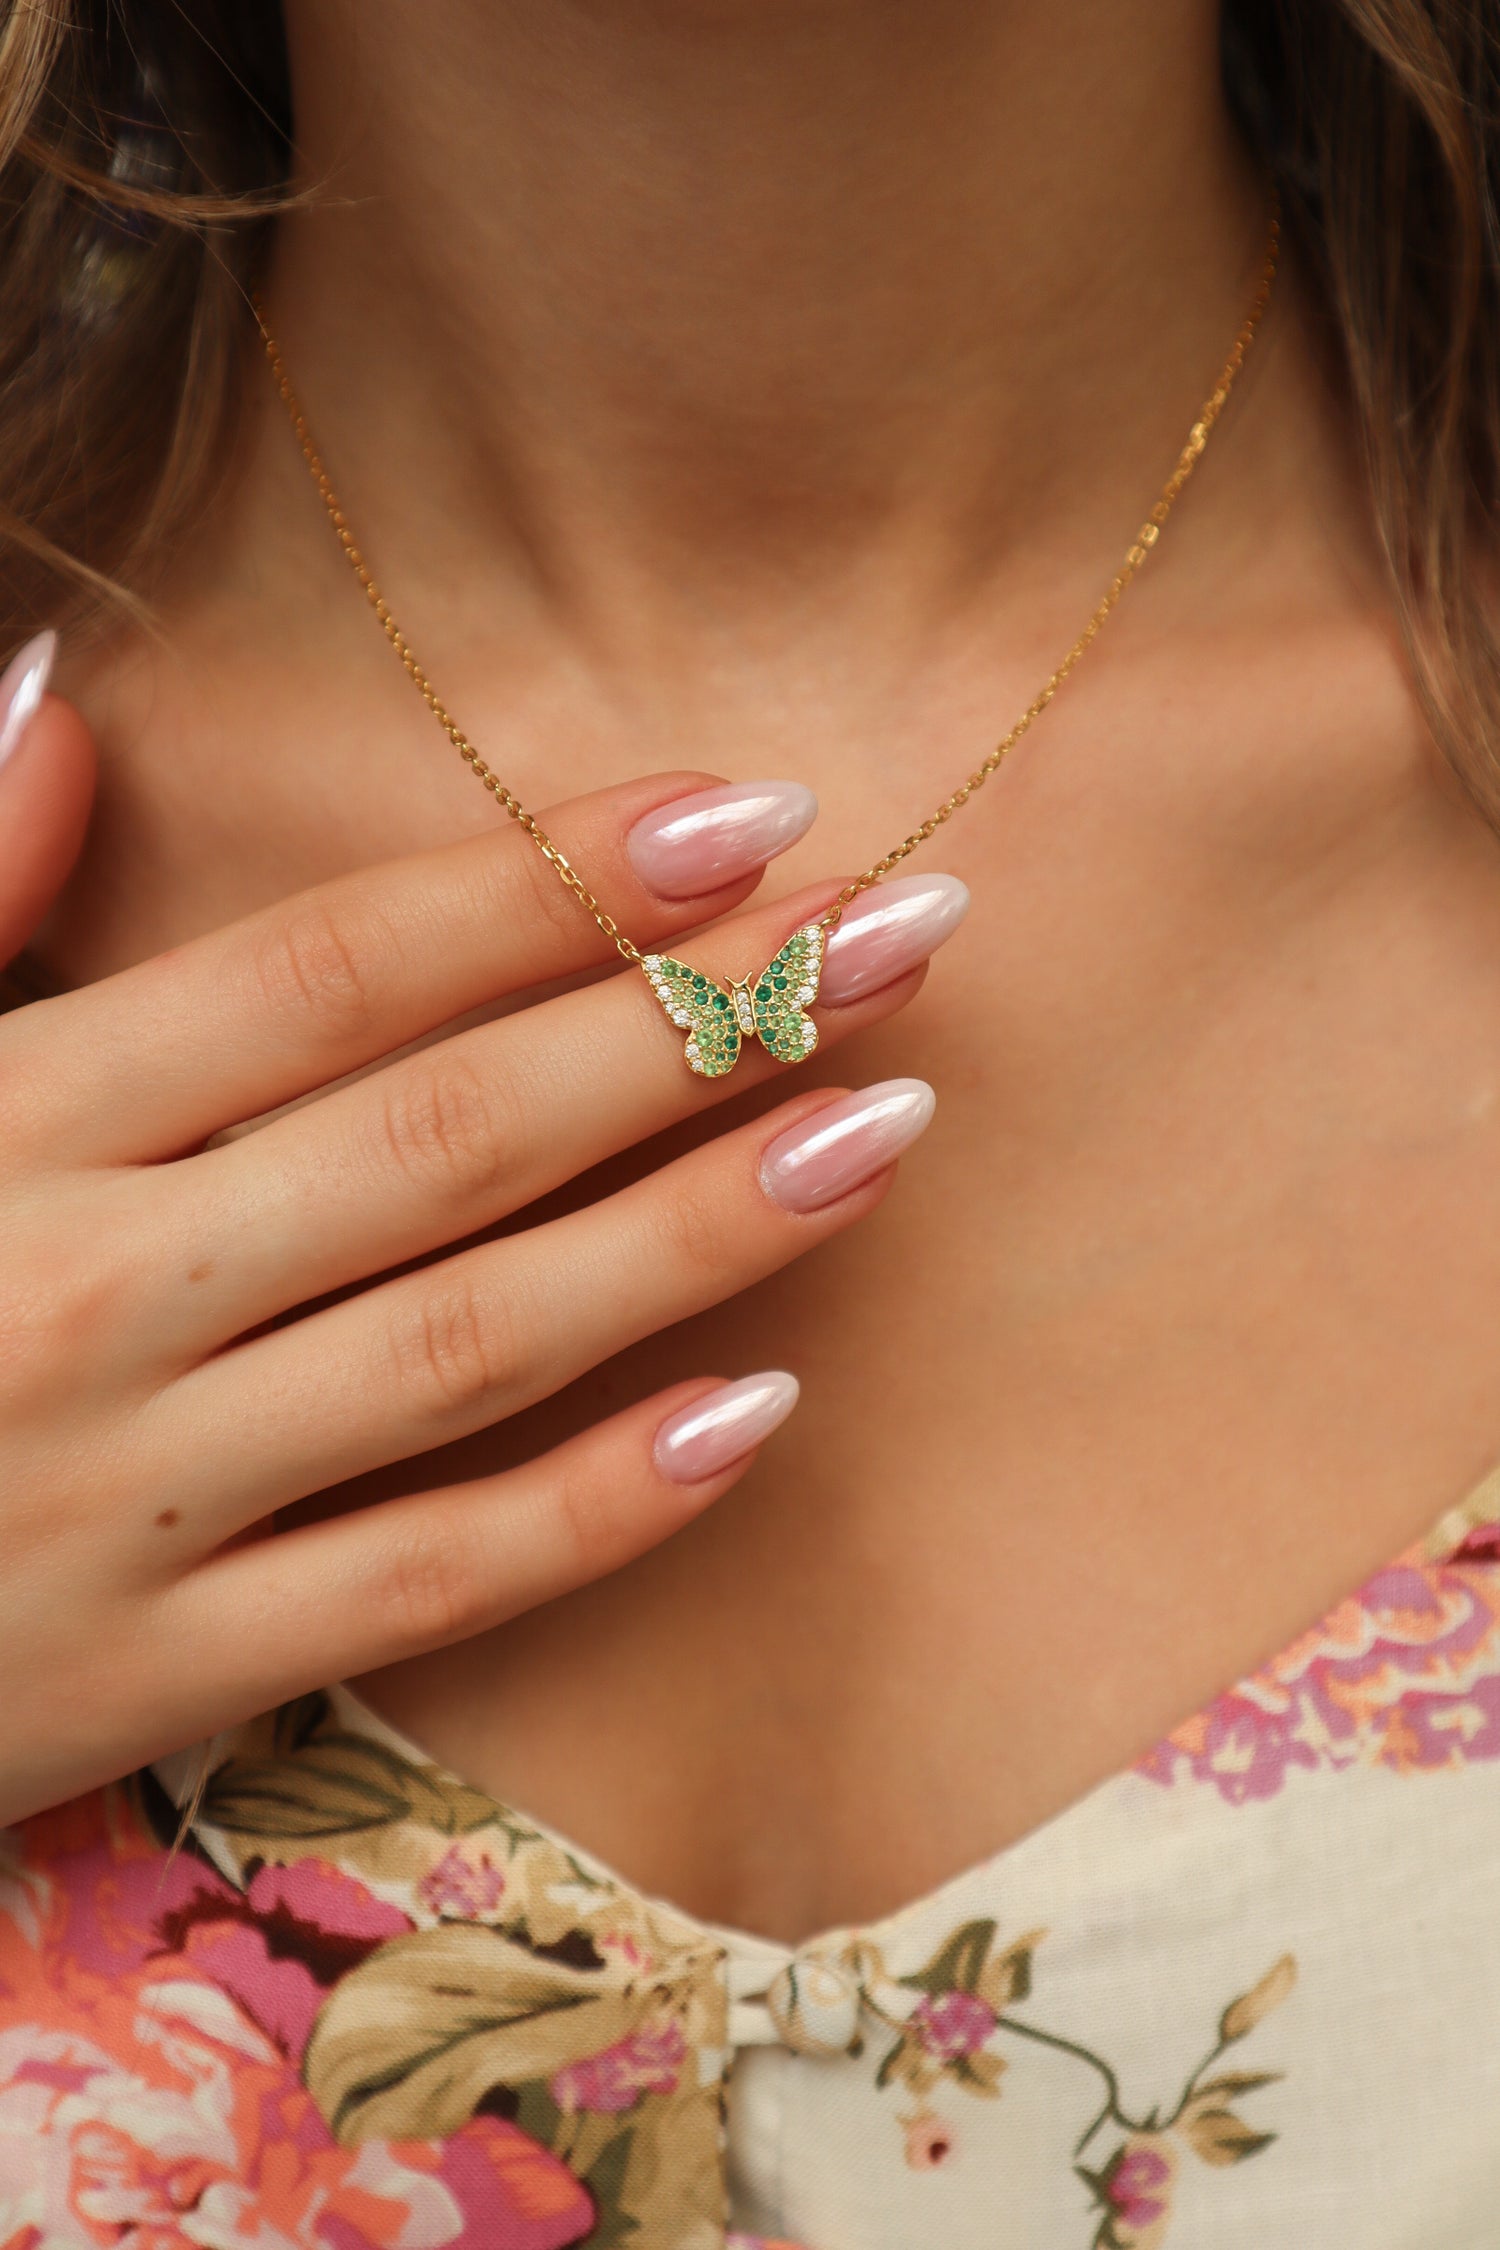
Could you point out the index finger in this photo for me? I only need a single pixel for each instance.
(300, 994)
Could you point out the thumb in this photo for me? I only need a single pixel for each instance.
(46, 788)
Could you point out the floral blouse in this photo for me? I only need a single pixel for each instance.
(1242, 1996)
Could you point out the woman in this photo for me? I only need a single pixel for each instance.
(721, 391)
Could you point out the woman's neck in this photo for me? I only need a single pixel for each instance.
(756, 386)
(722, 294)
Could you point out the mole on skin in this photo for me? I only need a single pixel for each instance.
(167, 1518)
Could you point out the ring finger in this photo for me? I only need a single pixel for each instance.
(434, 1355)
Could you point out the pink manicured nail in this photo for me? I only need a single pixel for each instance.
(840, 1147)
(697, 844)
(887, 931)
(723, 1427)
(22, 686)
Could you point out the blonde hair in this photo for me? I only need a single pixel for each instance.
(144, 145)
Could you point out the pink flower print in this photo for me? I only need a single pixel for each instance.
(280, 1947)
(515, 2194)
(929, 2142)
(953, 2024)
(1404, 1674)
(1136, 2192)
(1139, 2184)
(462, 1886)
(145, 2096)
(93, 1873)
(183, 2127)
(160, 2116)
(644, 2062)
(324, 1898)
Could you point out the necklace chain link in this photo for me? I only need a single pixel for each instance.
(1136, 556)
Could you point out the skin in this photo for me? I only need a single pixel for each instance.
(808, 454)
(170, 1283)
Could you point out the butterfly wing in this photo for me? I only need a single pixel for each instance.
(701, 1008)
(782, 991)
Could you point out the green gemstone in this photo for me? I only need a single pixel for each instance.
(700, 984)
(780, 983)
(720, 1001)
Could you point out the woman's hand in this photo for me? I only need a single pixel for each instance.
(171, 1370)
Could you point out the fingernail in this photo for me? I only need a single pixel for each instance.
(842, 1146)
(887, 931)
(22, 686)
(723, 1427)
(698, 843)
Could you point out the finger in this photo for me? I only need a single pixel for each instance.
(46, 789)
(446, 1142)
(241, 1021)
(434, 1355)
(347, 1595)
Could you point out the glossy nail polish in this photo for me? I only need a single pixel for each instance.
(723, 1426)
(887, 931)
(699, 843)
(838, 1148)
(22, 686)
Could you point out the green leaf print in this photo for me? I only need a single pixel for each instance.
(958, 1965)
(335, 1785)
(409, 2043)
(605, 2181)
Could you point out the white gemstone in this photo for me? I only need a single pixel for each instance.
(682, 1019)
(695, 1064)
(652, 963)
(691, 1050)
(805, 995)
(809, 1035)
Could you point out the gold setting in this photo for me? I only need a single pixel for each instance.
(720, 1018)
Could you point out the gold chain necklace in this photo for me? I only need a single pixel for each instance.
(770, 1006)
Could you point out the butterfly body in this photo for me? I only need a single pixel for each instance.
(719, 1018)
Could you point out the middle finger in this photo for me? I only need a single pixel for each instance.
(448, 1141)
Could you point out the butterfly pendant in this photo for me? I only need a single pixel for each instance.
(719, 1018)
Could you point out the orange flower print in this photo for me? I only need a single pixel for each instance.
(929, 2141)
(188, 2128)
(152, 2023)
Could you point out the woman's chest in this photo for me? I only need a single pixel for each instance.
(1175, 1325)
